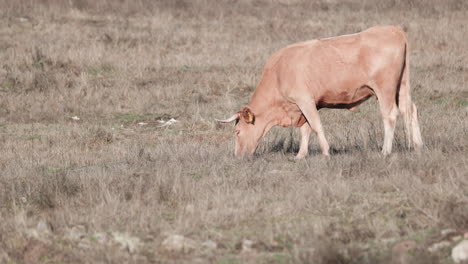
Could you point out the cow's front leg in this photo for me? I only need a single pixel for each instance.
(304, 148)
(309, 109)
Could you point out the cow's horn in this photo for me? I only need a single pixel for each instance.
(232, 118)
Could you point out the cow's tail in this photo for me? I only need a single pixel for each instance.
(404, 97)
(407, 107)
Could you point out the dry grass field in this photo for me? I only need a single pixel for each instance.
(112, 186)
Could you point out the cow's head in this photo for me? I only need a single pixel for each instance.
(247, 131)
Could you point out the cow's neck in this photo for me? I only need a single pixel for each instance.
(264, 106)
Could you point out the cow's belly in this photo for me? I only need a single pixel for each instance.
(347, 88)
(347, 98)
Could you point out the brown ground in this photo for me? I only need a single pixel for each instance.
(115, 64)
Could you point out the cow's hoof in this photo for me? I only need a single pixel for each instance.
(385, 153)
(300, 156)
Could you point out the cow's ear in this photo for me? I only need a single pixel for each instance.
(248, 115)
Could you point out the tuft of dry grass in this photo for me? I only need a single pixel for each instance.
(121, 66)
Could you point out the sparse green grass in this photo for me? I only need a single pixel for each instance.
(8, 85)
(118, 63)
(278, 259)
(104, 70)
(462, 102)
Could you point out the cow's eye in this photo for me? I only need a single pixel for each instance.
(237, 132)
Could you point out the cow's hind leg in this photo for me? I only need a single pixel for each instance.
(389, 115)
(417, 138)
(309, 109)
(389, 111)
(304, 148)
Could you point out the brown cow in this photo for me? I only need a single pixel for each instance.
(338, 72)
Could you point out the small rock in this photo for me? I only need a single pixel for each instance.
(246, 246)
(189, 209)
(404, 246)
(169, 122)
(43, 227)
(32, 233)
(178, 244)
(142, 123)
(388, 241)
(438, 246)
(101, 237)
(23, 19)
(126, 241)
(76, 232)
(84, 244)
(209, 244)
(75, 118)
(460, 252)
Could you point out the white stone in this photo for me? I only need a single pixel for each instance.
(126, 241)
(76, 232)
(247, 245)
(169, 122)
(32, 233)
(189, 209)
(460, 252)
(209, 244)
(84, 244)
(438, 246)
(43, 227)
(178, 244)
(390, 240)
(101, 237)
